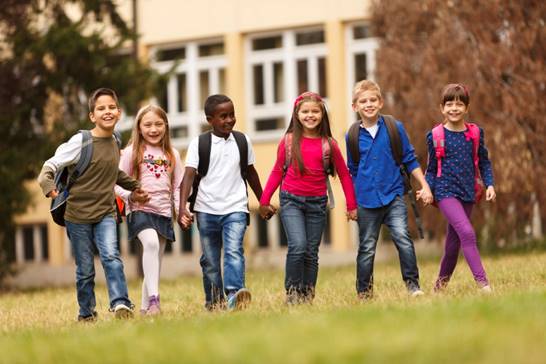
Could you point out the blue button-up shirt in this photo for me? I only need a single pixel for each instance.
(377, 178)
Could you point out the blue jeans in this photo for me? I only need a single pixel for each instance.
(395, 217)
(104, 235)
(214, 231)
(303, 219)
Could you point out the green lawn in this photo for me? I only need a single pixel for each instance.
(458, 326)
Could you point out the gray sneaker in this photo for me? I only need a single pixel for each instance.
(239, 300)
(122, 311)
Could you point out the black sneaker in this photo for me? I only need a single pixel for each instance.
(88, 318)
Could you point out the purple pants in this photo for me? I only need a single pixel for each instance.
(460, 234)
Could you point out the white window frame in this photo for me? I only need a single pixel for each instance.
(288, 55)
(353, 47)
(36, 242)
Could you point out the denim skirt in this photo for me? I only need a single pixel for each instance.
(140, 220)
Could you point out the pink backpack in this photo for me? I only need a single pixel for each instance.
(439, 141)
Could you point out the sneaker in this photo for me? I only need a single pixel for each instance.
(416, 293)
(153, 308)
(486, 289)
(365, 295)
(88, 318)
(239, 300)
(122, 311)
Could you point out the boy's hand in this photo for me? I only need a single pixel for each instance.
(139, 195)
(185, 219)
(352, 215)
(53, 194)
(425, 195)
(266, 211)
(490, 194)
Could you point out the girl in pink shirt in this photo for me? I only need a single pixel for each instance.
(301, 172)
(150, 159)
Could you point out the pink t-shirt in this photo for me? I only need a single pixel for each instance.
(155, 178)
(313, 181)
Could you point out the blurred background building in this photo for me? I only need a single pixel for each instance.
(261, 54)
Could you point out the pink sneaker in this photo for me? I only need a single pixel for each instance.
(153, 308)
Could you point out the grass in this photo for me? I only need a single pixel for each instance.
(458, 326)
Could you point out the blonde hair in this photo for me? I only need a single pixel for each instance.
(138, 143)
(365, 85)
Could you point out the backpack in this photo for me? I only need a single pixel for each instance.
(204, 148)
(64, 179)
(396, 146)
(473, 133)
(326, 163)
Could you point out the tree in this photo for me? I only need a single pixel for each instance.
(50, 60)
(497, 48)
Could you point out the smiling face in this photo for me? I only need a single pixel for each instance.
(105, 115)
(454, 111)
(367, 105)
(152, 128)
(222, 119)
(310, 116)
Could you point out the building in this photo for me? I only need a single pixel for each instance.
(261, 54)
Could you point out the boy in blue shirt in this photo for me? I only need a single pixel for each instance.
(379, 188)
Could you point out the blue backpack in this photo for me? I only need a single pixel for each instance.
(65, 180)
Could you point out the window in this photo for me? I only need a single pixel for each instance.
(31, 244)
(28, 243)
(360, 57)
(279, 67)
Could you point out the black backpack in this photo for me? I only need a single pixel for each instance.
(64, 180)
(396, 146)
(204, 147)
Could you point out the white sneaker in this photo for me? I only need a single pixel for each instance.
(486, 289)
(122, 311)
(417, 293)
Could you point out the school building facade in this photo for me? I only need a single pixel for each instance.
(262, 55)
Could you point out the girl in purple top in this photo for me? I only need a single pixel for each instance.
(150, 159)
(303, 196)
(454, 189)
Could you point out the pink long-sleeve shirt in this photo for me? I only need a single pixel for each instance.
(155, 178)
(313, 181)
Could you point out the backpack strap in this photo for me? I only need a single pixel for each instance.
(394, 138)
(86, 154)
(352, 140)
(242, 144)
(204, 147)
(474, 134)
(439, 143)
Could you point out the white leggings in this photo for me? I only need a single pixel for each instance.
(153, 248)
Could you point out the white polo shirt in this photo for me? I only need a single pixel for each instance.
(222, 191)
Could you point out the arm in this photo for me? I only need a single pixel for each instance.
(425, 194)
(345, 179)
(125, 166)
(185, 217)
(275, 177)
(486, 169)
(177, 181)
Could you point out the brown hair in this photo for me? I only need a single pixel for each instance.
(296, 128)
(138, 144)
(455, 91)
(365, 85)
(98, 93)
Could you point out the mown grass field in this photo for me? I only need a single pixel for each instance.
(458, 326)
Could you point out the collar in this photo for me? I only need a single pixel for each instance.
(216, 139)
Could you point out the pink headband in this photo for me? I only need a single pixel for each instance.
(309, 94)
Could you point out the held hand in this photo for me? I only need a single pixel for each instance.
(53, 194)
(185, 219)
(425, 195)
(266, 211)
(352, 215)
(490, 194)
(139, 196)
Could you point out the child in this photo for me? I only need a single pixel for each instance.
(379, 189)
(90, 214)
(221, 204)
(150, 159)
(454, 189)
(303, 197)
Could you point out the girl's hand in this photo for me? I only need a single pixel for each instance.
(185, 219)
(490, 194)
(425, 195)
(53, 194)
(139, 195)
(267, 211)
(352, 215)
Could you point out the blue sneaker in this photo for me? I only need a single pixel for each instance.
(239, 300)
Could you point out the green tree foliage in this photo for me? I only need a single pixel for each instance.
(497, 48)
(53, 53)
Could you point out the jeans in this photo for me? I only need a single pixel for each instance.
(460, 234)
(395, 217)
(103, 234)
(214, 231)
(303, 219)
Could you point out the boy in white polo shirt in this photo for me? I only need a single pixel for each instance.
(221, 203)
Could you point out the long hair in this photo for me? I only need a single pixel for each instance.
(138, 143)
(295, 127)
